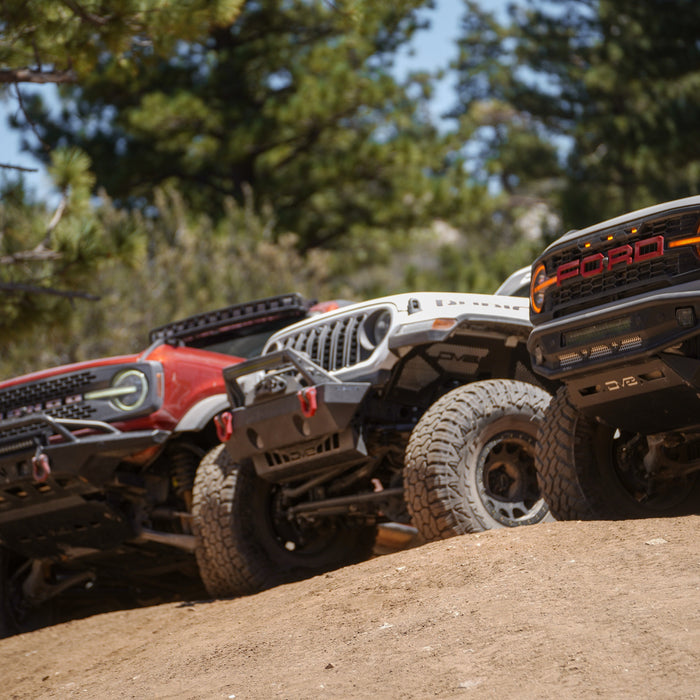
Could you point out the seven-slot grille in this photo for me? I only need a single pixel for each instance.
(623, 280)
(333, 345)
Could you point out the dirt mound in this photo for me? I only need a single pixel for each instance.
(564, 609)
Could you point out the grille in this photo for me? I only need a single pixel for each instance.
(623, 281)
(65, 395)
(46, 390)
(618, 283)
(332, 346)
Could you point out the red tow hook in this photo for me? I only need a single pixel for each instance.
(40, 467)
(307, 401)
(224, 426)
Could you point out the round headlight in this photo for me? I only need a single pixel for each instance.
(375, 328)
(130, 389)
(382, 324)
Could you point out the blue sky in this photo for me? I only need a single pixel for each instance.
(432, 49)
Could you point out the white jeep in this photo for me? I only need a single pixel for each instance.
(415, 408)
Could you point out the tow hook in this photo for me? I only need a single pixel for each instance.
(307, 401)
(41, 467)
(224, 426)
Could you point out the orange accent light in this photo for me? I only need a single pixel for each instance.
(536, 289)
(695, 240)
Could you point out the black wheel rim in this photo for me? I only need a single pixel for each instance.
(294, 539)
(507, 481)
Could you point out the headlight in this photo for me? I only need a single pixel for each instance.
(375, 329)
(538, 287)
(129, 390)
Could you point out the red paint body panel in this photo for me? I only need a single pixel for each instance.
(190, 375)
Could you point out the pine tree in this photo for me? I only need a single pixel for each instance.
(295, 100)
(615, 82)
(47, 255)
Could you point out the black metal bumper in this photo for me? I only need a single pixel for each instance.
(52, 481)
(291, 428)
(621, 363)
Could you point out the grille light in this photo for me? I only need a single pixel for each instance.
(569, 358)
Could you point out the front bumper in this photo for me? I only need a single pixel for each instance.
(615, 334)
(52, 483)
(300, 428)
(624, 363)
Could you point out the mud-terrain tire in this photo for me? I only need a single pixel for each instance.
(241, 547)
(470, 460)
(578, 471)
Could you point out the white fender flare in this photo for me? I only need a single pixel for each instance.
(201, 413)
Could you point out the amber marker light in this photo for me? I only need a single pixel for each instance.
(443, 324)
(538, 286)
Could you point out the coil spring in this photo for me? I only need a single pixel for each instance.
(185, 459)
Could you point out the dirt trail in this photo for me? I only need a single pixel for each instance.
(574, 610)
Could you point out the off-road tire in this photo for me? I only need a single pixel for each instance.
(16, 616)
(474, 435)
(577, 474)
(238, 549)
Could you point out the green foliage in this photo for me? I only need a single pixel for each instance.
(185, 263)
(47, 259)
(64, 40)
(296, 100)
(614, 82)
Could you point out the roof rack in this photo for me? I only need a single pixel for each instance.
(230, 318)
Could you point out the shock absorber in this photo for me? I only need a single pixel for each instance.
(184, 459)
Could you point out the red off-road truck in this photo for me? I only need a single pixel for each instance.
(97, 459)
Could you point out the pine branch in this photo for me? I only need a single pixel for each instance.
(33, 289)
(36, 255)
(30, 121)
(88, 17)
(18, 167)
(27, 75)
